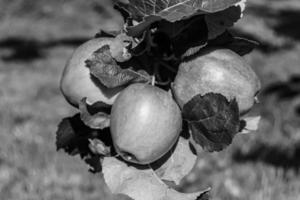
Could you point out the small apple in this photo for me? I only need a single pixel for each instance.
(145, 123)
(218, 71)
(77, 82)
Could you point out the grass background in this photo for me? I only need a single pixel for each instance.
(36, 38)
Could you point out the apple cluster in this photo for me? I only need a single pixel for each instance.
(145, 120)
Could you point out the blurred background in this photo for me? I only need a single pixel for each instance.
(37, 37)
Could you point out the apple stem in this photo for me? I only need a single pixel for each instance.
(153, 80)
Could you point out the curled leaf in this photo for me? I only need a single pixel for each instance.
(213, 120)
(105, 68)
(140, 184)
(239, 45)
(178, 164)
(95, 116)
(73, 137)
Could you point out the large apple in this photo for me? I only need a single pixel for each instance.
(145, 123)
(77, 82)
(218, 71)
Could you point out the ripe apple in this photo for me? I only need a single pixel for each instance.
(77, 82)
(145, 123)
(218, 71)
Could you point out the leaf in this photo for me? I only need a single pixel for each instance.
(249, 124)
(241, 46)
(180, 39)
(146, 12)
(140, 184)
(96, 115)
(213, 120)
(73, 137)
(178, 164)
(103, 66)
(220, 21)
(190, 39)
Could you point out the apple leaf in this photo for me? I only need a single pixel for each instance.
(213, 120)
(219, 22)
(95, 116)
(179, 39)
(141, 184)
(174, 10)
(73, 136)
(146, 12)
(105, 68)
(241, 46)
(187, 36)
(178, 164)
(249, 124)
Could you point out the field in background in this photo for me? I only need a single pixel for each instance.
(36, 38)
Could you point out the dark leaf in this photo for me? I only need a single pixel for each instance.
(180, 39)
(95, 116)
(205, 143)
(104, 67)
(241, 46)
(220, 21)
(73, 137)
(191, 39)
(213, 120)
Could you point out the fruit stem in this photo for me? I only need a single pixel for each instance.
(153, 80)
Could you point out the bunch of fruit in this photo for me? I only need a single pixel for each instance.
(145, 120)
(146, 92)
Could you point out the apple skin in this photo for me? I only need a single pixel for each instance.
(77, 82)
(145, 123)
(218, 71)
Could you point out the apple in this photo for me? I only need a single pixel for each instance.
(145, 123)
(77, 82)
(218, 71)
